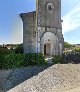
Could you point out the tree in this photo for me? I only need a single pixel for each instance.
(67, 45)
(19, 49)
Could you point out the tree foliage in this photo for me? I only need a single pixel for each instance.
(67, 45)
(19, 49)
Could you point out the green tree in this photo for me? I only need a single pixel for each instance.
(67, 45)
(19, 49)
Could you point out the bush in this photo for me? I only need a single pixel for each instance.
(72, 58)
(8, 61)
(57, 59)
(19, 49)
(77, 49)
(11, 61)
(2, 61)
(34, 59)
(4, 50)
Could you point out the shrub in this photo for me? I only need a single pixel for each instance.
(4, 50)
(11, 61)
(28, 60)
(77, 49)
(2, 61)
(57, 59)
(8, 61)
(19, 49)
(40, 59)
(34, 59)
(72, 58)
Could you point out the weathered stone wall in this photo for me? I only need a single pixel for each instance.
(55, 39)
(48, 18)
(50, 38)
(29, 32)
(49, 28)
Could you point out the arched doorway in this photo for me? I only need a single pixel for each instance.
(47, 49)
(49, 44)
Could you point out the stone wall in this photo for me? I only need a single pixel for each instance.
(48, 18)
(49, 28)
(55, 38)
(29, 32)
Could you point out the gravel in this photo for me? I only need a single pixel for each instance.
(3, 75)
(20, 75)
(57, 78)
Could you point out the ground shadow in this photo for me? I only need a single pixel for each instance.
(20, 75)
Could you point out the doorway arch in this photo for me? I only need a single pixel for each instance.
(47, 48)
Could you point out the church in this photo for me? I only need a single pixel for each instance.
(42, 29)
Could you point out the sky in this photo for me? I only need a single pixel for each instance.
(11, 26)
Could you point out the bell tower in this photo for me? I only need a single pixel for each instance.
(48, 22)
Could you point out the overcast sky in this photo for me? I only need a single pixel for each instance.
(11, 24)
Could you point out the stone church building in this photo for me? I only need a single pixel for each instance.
(42, 29)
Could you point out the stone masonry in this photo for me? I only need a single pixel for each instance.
(42, 29)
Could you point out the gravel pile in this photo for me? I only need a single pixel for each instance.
(57, 78)
(20, 75)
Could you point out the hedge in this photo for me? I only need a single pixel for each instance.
(34, 59)
(8, 61)
(11, 60)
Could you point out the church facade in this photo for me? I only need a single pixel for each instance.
(42, 29)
